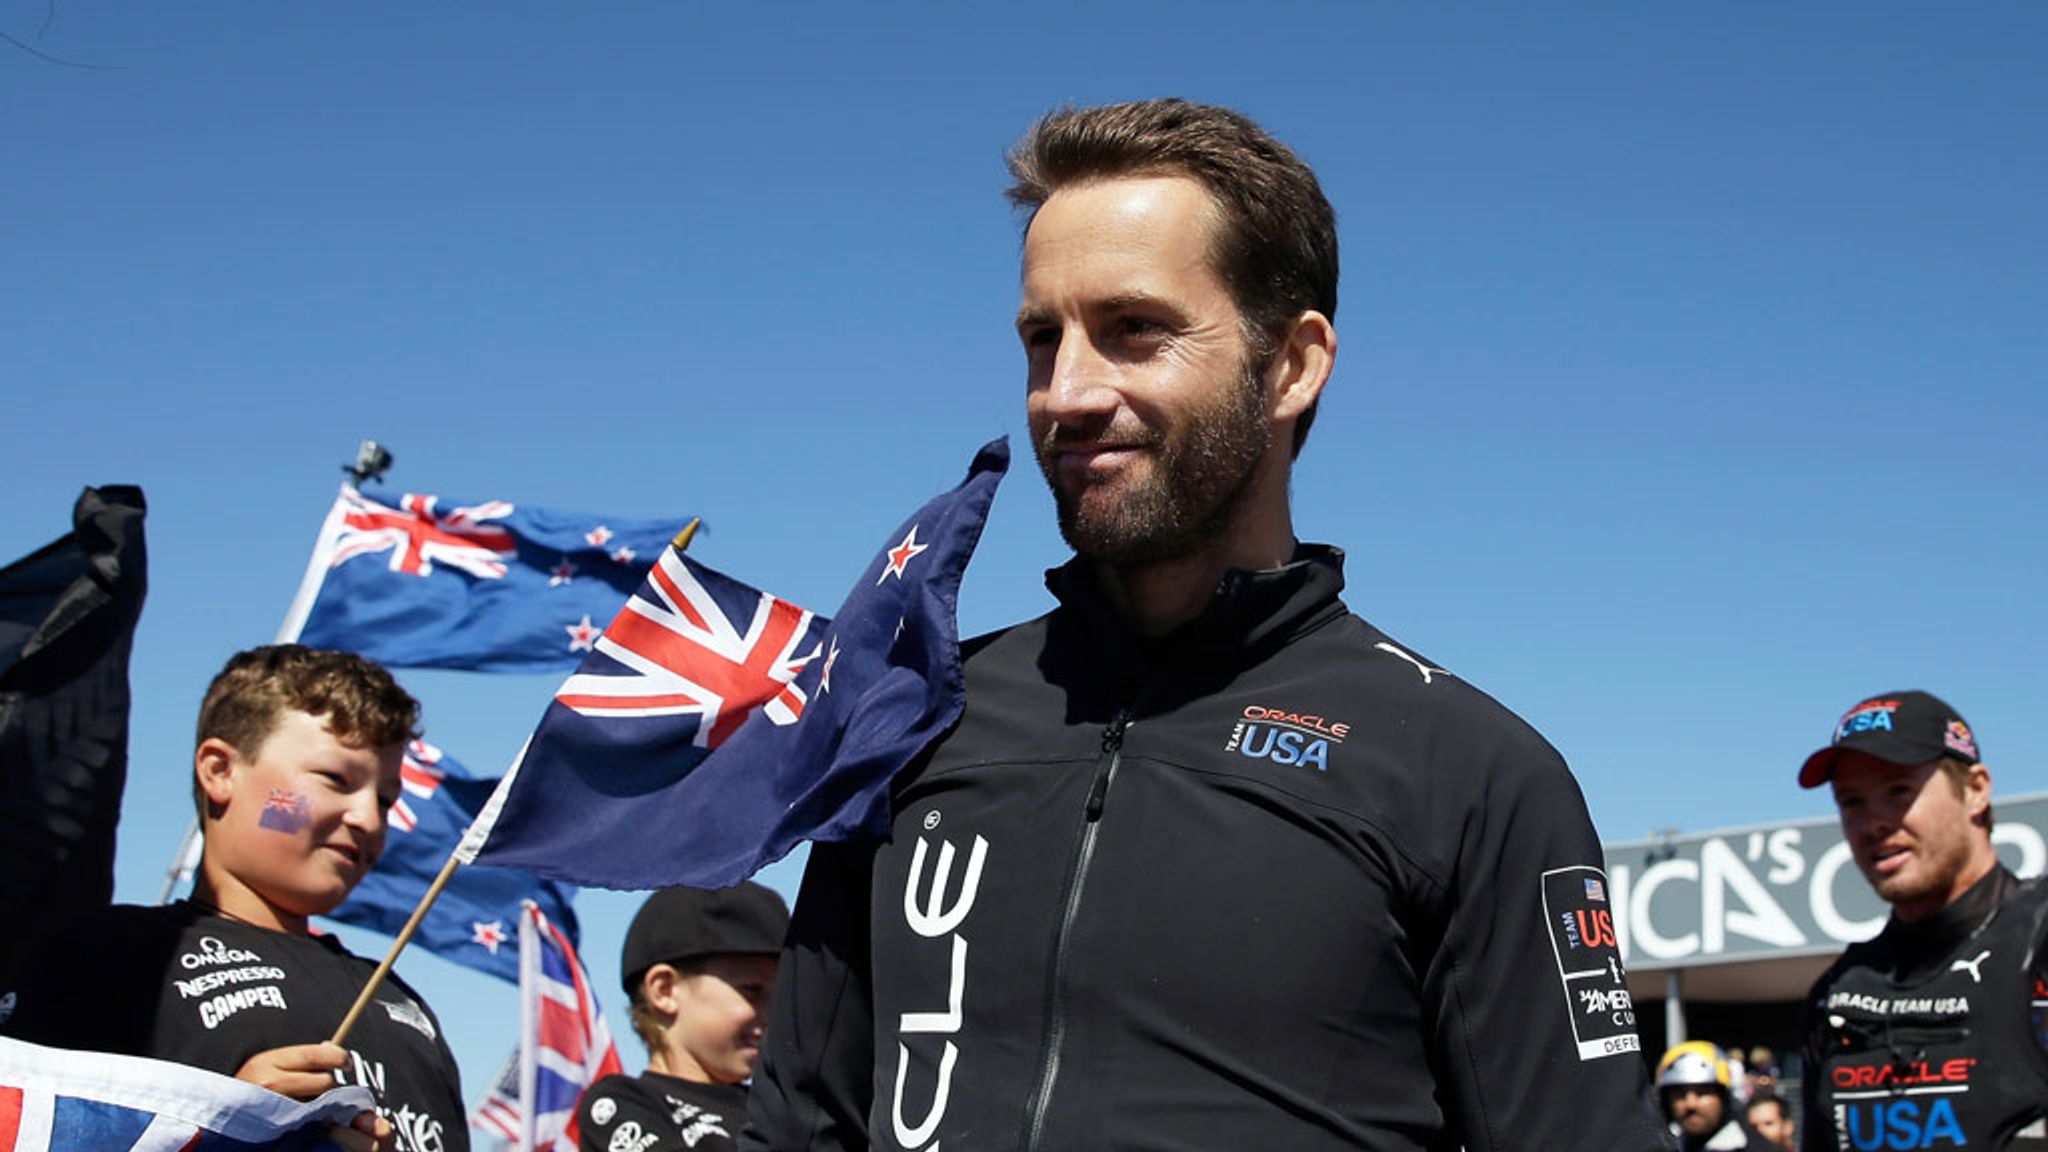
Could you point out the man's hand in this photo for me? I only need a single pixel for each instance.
(304, 1071)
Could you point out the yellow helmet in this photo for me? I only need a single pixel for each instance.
(1693, 1062)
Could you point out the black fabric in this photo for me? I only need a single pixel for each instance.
(67, 623)
(1932, 1034)
(1270, 881)
(656, 1113)
(180, 983)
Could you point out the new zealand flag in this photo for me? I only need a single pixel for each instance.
(476, 920)
(737, 724)
(493, 586)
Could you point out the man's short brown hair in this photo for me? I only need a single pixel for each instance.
(1276, 242)
(361, 702)
(1958, 773)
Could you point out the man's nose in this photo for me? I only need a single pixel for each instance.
(1081, 380)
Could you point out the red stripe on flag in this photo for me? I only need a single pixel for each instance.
(561, 1030)
(10, 1117)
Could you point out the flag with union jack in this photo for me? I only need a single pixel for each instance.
(476, 919)
(564, 1045)
(426, 582)
(738, 724)
(59, 1100)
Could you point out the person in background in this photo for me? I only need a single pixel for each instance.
(1934, 1033)
(1693, 1080)
(295, 766)
(698, 968)
(1767, 1114)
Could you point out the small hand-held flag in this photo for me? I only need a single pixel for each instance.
(739, 724)
(59, 1100)
(564, 1045)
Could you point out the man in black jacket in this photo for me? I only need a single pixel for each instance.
(1208, 862)
(1931, 1035)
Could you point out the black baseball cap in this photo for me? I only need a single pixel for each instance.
(1898, 728)
(682, 923)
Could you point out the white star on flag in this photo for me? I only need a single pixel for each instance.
(598, 536)
(825, 677)
(489, 935)
(900, 555)
(624, 555)
(583, 634)
(561, 573)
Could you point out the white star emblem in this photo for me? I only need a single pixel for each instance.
(561, 573)
(900, 555)
(582, 634)
(489, 935)
(624, 555)
(598, 536)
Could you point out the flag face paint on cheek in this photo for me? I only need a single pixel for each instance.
(286, 812)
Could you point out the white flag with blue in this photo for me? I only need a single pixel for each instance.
(491, 586)
(736, 723)
(58, 1100)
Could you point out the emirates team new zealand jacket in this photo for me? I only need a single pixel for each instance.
(1271, 883)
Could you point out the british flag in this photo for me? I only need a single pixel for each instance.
(564, 1045)
(738, 723)
(494, 586)
(58, 1100)
(417, 533)
(693, 644)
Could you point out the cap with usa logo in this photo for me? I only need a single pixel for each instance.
(1896, 727)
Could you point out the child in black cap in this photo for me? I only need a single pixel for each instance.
(698, 967)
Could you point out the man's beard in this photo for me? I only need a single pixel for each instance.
(1196, 486)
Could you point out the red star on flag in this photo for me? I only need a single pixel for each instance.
(598, 536)
(489, 935)
(561, 573)
(900, 555)
(582, 634)
(624, 555)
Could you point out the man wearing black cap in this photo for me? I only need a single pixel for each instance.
(1932, 1034)
(698, 967)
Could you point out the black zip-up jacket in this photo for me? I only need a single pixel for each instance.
(1934, 1033)
(1272, 882)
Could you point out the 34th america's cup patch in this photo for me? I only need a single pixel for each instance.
(1589, 961)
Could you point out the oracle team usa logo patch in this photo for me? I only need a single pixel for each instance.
(1581, 925)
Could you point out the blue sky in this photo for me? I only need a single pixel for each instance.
(1690, 384)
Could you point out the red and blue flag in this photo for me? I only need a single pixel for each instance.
(564, 1045)
(739, 724)
(491, 586)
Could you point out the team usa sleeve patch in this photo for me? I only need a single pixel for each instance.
(1581, 924)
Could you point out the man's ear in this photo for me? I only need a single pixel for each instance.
(1977, 792)
(214, 763)
(1302, 364)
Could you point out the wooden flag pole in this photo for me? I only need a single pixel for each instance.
(397, 946)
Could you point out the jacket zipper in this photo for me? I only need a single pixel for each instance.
(1077, 875)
